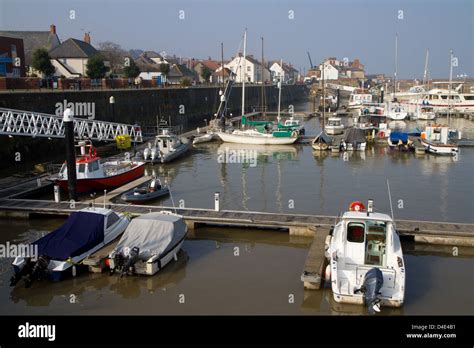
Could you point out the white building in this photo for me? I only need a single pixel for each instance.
(253, 72)
(70, 57)
(285, 71)
(330, 72)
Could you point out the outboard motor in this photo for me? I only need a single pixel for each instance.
(27, 268)
(373, 282)
(38, 271)
(130, 261)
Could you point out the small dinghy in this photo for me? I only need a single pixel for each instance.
(150, 242)
(59, 252)
(365, 259)
(152, 189)
(204, 138)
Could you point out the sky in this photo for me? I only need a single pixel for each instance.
(363, 29)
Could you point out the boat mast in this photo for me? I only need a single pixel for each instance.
(279, 91)
(324, 101)
(425, 74)
(263, 101)
(450, 85)
(222, 66)
(396, 67)
(244, 72)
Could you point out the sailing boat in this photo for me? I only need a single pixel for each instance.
(263, 133)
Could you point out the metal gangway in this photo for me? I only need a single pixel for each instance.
(35, 124)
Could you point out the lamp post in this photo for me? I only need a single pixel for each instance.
(68, 119)
(112, 106)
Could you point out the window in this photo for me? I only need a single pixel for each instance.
(469, 97)
(355, 232)
(248, 69)
(82, 168)
(375, 244)
(93, 166)
(112, 219)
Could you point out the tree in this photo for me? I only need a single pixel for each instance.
(96, 68)
(164, 69)
(132, 70)
(185, 82)
(206, 73)
(114, 54)
(42, 62)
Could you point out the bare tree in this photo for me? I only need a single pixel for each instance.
(114, 54)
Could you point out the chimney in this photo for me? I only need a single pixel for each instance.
(52, 29)
(87, 38)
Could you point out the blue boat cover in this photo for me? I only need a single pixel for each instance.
(81, 232)
(397, 136)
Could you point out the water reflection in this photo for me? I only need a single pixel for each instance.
(42, 293)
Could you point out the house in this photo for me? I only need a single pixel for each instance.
(12, 57)
(146, 64)
(178, 72)
(328, 71)
(286, 71)
(211, 65)
(71, 56)
(253, 72)
(32, 40)
(218, 74)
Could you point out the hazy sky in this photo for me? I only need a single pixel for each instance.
(362, 29)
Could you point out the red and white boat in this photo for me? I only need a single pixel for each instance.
(92, 174)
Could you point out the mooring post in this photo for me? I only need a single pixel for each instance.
(105, 197)
(68, 119)
(381, 95)
(216, 201)
(57, 195)
(338, 98)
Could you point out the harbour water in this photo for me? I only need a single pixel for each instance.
(241, 271)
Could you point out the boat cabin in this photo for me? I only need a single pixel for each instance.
(292, 122)
(88, 165)
(166, 141)
(436, 133)
(359, 99)
(334, 122)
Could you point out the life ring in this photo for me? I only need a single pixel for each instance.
(92, 152)
(357, 206)
(381, 134)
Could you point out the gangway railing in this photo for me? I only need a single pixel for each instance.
(35, 124)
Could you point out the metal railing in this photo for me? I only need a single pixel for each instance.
(35, 124)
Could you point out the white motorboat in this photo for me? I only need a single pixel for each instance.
(334, 126)
(365, 256)
(204, 138)
(435, 139)
(425, 112)
(396, 112)
(149, 243)
(61, 251)
(166, 147)
(357, 100)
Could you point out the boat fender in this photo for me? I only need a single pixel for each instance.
(74, 271)
(327, 273)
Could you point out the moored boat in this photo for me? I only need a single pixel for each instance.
(93, 174)
(334, 126)
(165, 148)
(61, 251)
(149, 243)
(365, 257)
(435, 139)
(151, 190)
